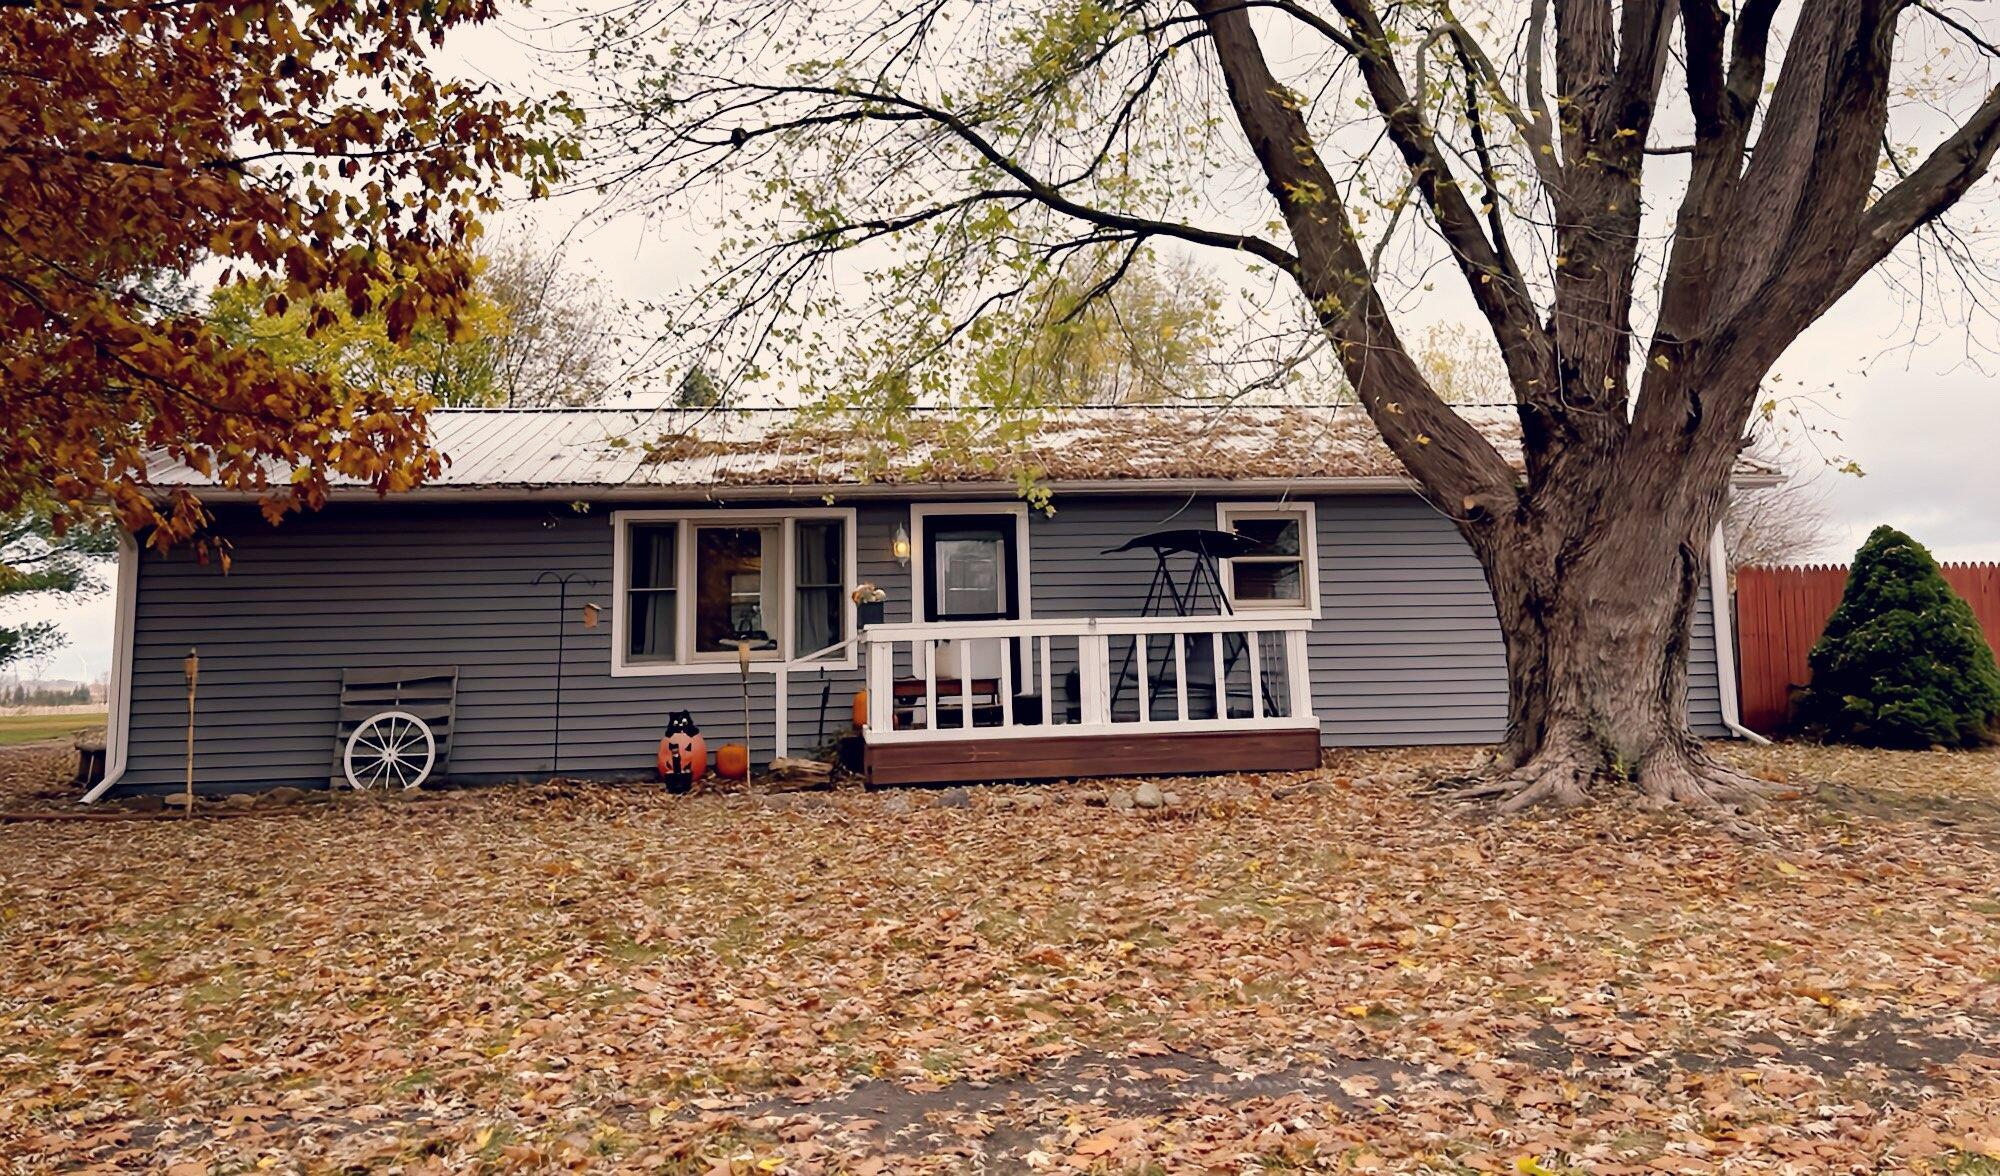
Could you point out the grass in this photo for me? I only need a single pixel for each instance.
(36, 728)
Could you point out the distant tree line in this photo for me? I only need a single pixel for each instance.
(26, 694)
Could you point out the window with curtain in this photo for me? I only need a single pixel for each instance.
(650, 595)
(692, 583)
(819, 612)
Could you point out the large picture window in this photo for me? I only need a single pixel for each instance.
(734, 590)
(1282, 571)
(693, 584)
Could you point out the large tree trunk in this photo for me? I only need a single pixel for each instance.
(1596, 596)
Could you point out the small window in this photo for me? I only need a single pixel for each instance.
(1278, 572)
(821, 613)
(735, 589)
(650, 592)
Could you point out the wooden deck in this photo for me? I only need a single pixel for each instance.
(1140, 696)
(1061, 757)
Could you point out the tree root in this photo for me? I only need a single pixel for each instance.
(1680, 775)
(1560, 778)
(1686, 776)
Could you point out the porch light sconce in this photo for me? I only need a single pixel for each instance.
(900, 546)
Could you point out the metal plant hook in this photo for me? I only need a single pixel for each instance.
(562, 580)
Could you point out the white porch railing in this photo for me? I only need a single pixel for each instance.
(1126, 670)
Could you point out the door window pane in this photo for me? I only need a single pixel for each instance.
(970, 574)
(650, 597)
(734, 596)
(817, 583)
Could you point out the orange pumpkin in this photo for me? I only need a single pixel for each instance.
(732, 761)
(860, 709)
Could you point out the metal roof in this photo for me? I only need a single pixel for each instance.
(539, 450)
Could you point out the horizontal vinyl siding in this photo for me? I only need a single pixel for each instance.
(1407, 649)
(362, 586)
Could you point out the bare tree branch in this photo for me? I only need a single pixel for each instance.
(1433, 441)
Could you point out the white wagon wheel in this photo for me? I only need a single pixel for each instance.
(391, 750)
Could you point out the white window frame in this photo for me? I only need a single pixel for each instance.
(919, 511)
(1226, 514)
(687, 662)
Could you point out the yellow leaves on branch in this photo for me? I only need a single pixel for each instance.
(308, 147)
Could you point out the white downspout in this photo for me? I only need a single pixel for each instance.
(1725, 638)
(118, 707)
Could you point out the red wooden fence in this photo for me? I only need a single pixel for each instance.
(1781, 611)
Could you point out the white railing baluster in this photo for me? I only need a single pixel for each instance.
(1298, 662)
(965, 668)
(1139, 656)
(1180, 677)
(1221, 677)
(881, 683)
(1006, 682)
(930, 684)
(1094, 671)
(1048, 683)
(1256, 674)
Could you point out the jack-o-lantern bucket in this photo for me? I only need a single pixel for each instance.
(683, 753)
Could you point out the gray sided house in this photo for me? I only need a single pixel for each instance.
(1353, 613)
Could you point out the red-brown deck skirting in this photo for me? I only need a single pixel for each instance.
(1052, 757)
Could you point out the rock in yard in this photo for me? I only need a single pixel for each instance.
(1147, 796)
(896, 803)
(954, 798)
(1095, 799)
(1173, 799)
(1122, 800)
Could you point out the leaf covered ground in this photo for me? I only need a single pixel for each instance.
(1336, 970)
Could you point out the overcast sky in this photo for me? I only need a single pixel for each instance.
(1905, 397)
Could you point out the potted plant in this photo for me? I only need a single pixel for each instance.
(868, 604)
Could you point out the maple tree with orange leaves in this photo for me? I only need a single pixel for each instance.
(307, 144)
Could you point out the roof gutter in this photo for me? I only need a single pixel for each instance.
(118, 717)
(866, 491)
(1725, 638)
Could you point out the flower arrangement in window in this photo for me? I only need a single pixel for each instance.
(868, 600)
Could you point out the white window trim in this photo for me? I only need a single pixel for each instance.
(1309, 574)
(689, 663)
(919, 511)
